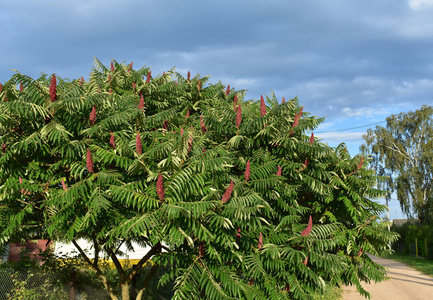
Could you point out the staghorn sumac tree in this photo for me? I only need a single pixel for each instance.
(250, 208)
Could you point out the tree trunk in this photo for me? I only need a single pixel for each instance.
(125, 291)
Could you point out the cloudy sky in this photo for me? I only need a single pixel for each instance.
(354, 62)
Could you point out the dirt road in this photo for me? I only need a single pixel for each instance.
(405, 284)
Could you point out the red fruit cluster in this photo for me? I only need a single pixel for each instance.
(361, 163)
(148, 77)
(64, 185)
(235, 102)
(187, 115)
(247, 171)
(130, 67)
(80, 83)
(138, 145)
(165, 125)
(112, 141)
(21, 87)
(189, 76)
(1, 87)
(238, 117)
(307, 230)
(109, 78)
(181, 131)
(262, 106)
(260, 243)
(312, 138)
(296, 121)
(89, 161)
(201, 249)
(284, 100)
(228, 90)
(160, 188)
(301, 112)
(279, 171)
(4, 147)
(228, 193)
(306, 162)
(92, 116)
(306, 261)
(53, 88)
(112, 67)
(141, 103)
(134, 85)
(238, 232)
(199, 85)
(360, 252)
(202, 125)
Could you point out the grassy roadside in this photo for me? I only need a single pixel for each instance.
(423, 265)
(333, 294)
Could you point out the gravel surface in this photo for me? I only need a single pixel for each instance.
(405, 284)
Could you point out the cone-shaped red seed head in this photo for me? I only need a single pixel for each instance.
(138, 145)
(21, 87)
(130, 65)
(301, 112)
(89, 161)
(1, 87)
(284, 100)
(239, 116)
(189, 76)
(190, 141)
(181, 131)
(228, 193)
(53, 88)
(247, 171)
(110, 91)
(187, 115)
(262, 106)
(312, 138)
(306, 261)
(199, 85)
(279, 171)
(160, 188)
(81, 81)
(109, 78)
(134, 85)
(260, 243)
(202, 125)
(201, 249)
(64, 185)
(235, 102)
(20, 179)
(112, 67)
(92, 116)
(4, 146)
(295, 122)
(238, 232)
(112, 141)
(307, 230)
(141, 103)
(360, 252)
(287, 288)
(165, 125)
(361, 163)
(163, 74)
(228, 90)
(149, 75)
(175, 83)
(306, 162)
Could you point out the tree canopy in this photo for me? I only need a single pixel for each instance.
(403, 151)
(231, 195)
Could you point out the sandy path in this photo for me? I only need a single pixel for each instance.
(405, 284)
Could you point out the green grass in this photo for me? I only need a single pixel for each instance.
(332, 294)
(423, 265)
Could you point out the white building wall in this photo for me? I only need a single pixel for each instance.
(69, 250)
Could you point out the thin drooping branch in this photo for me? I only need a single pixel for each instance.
(155, 249)
(147, 280)
(97, 270)
(117, 263)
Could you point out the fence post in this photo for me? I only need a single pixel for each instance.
(416, 247)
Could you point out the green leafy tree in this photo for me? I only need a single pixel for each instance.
(402, 151)
(229, 195)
